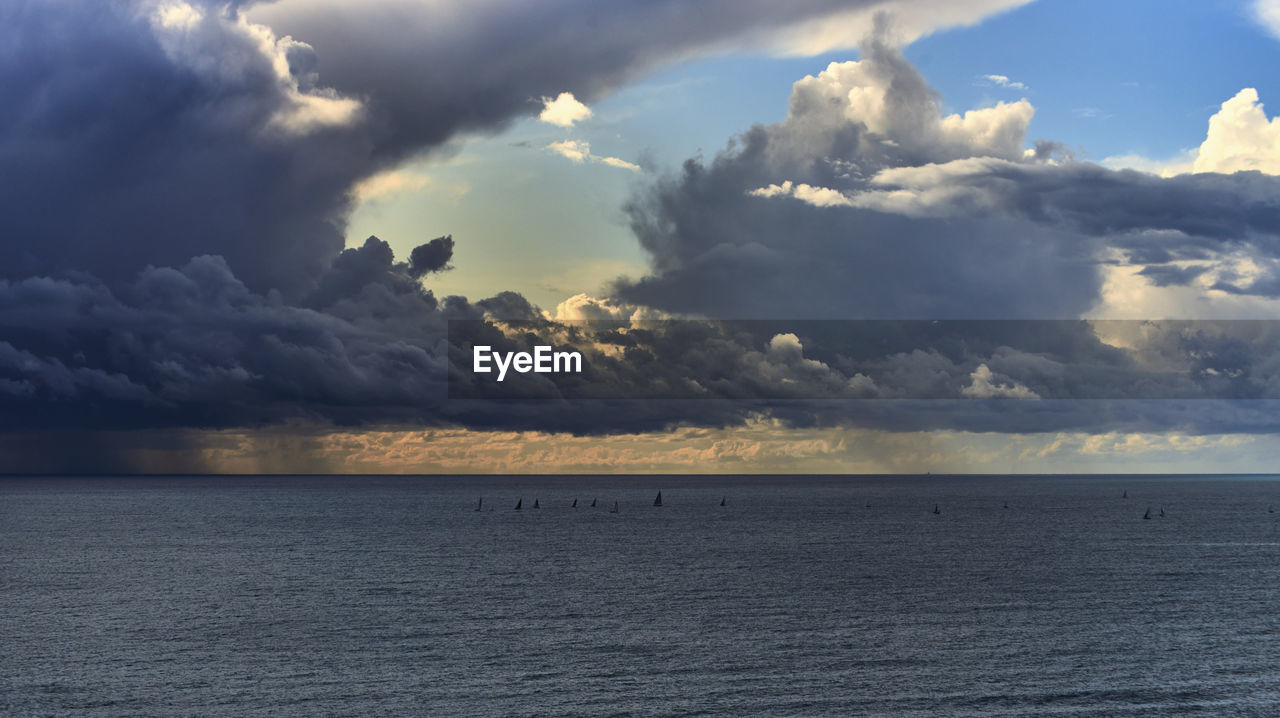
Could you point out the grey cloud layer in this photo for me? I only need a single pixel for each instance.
(866, 202)
(174, 190)
(139, 132)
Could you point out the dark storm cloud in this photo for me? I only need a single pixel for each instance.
(125, 144)
(432, 70)
(431, 257)
(140, 133)
(174, 205)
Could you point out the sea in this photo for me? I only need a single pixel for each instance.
(799, 596)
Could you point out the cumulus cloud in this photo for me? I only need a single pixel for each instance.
(179, 175)
(777, 225)
(564, 110)
(1241, 138)
(142, 132)
(866, 201)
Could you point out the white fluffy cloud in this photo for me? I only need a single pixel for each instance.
(1240, 138)
(869, 93)
(816, 196)
(564, 110)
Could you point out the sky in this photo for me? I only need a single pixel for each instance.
(262, 236)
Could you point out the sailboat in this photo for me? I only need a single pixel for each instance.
(519, 504)
(722, 501)
(1161, 512)
(1125, 495)
(535, 504)
(480, 504)
(1147, 515)
(614, 510)
(575, 504)
(658, 501)
(593, 503)
(936, 510)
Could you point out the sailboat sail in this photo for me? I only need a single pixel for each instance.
(658, 501)
(722, 501)
(479, 505)
(575, 504)
(535, 504)
(519, 504)
(614, 510)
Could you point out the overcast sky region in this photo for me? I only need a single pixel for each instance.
(813, 236)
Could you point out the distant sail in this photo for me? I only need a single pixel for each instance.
(614, 510)
(1161, 512)
(1125, 495)
(936, 510)
(480, 504)
(1147, 515)
(535, 504)
(658, 501)
(519, 504)
(722, 501)
(593, 503)
(575, 504)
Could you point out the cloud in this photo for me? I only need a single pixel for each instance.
(816, 196)
(389, 184)
(177, 183)
(1240, 138)
(575, 150)
(780, 223)
(1267, 14)
(564, 110)
(985, 386)
(146, 133)
(620, 164)
(1004, 81)
(580, 151)
(431, 257)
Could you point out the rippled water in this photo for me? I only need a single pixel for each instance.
(369, 596)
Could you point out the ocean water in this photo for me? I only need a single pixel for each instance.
(803, 596)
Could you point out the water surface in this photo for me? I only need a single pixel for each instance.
(801, 596)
